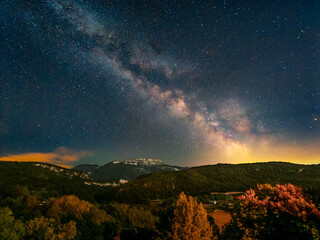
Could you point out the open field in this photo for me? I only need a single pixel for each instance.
(221, 217)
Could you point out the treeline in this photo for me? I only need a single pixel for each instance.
(219, 178)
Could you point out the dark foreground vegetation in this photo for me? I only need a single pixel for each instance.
(41, 201)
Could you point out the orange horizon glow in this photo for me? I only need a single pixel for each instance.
(62, 157)
(232, 153)
(236, 153)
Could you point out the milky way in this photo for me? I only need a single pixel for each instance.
(197, 83)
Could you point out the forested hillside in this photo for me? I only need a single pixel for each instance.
(43, 201)
(220, 178)
(47, 180)
(56, 181)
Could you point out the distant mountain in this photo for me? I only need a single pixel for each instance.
(87, 168)
(127, 170)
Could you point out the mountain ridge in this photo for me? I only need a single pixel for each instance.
(125, 170)
(54, 180)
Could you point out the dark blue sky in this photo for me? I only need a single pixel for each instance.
(190, 82)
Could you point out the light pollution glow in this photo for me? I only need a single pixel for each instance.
(62, 157)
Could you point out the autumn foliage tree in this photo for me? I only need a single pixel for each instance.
(69, 205)
(79, 209)
(43, 228)
(278, 212)
(190, 220)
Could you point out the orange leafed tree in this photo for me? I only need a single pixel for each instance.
(286, 198)
(190, 220)
(72, 206)
(269, 212)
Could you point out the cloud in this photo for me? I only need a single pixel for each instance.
(62, 156)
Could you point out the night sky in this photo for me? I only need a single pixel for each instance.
(189, 82)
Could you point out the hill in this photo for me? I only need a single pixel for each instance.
(53, 181)
(219, 178)
(47, 180)
(127, 170)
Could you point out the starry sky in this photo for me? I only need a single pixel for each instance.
(189, 82)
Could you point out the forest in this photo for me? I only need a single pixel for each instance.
(42, 201)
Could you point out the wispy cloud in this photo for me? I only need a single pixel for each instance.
(62, 156)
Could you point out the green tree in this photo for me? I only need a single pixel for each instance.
(98, 216)
(10, 228)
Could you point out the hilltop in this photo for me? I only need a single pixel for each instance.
(126, 170)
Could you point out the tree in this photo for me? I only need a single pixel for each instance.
(49, 229)
(97, 216)
(69, 205)
(190, 220)
(278, 212)
(30, 202)
(10, 228)
(72, 206)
